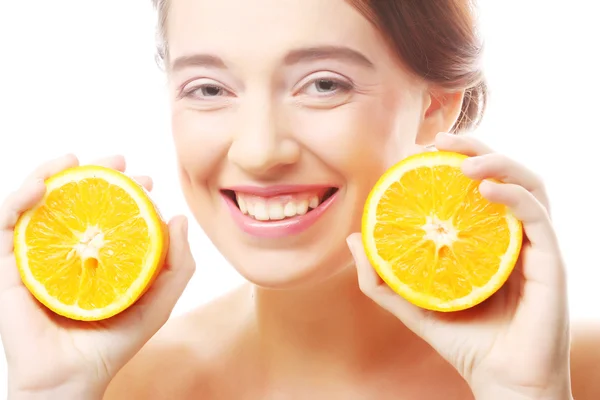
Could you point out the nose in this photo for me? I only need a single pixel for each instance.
(261, 144)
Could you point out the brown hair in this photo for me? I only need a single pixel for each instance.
(437, 40)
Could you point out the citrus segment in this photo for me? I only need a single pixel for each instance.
(93, 244)
(433, 238)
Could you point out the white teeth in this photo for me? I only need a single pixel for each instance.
(263, 209)
(260, 211)
(242, 204)
(289, 209)
(275, 211)
(302, 207)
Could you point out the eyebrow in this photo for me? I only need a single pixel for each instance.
(327, 53)
(197, 60)
(293, 57)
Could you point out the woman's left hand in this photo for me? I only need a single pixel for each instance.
(516, 344)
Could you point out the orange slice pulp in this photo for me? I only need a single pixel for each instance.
(92, 246)
(434, 239)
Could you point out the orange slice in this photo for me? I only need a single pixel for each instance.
(434, 239)
(92, 246)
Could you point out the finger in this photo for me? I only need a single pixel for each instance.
(27, 196)
(462, 144)
(504, 169)
(544, 289)
(528, 209)
(368, 279)
(375, 288)
(542, 239)
(53, 167)
(18, 202)
(485, 161)
(14, 206)
(116, 162)
(145, 181)
(155, 307)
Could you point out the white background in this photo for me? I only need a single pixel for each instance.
(79, 76)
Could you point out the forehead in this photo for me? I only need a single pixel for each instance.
(264, 29)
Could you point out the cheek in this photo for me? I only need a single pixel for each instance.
(201, 142)
(358, 140)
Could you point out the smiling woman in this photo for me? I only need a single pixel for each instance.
(284, 114)
(283, 117)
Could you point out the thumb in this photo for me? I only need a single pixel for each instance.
(376, 289)
(155, 306)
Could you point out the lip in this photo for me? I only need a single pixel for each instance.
(277, 229)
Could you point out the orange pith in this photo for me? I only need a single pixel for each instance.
(92, 246)
(433, 238)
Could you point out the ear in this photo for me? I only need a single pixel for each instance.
(441, 110)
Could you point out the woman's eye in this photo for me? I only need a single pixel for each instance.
(205, 90)
(326, 86)
(209, 91)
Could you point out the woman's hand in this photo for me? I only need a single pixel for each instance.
(515, 345)
(50, 356)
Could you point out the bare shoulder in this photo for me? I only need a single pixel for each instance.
(585, 360)
(183, 357)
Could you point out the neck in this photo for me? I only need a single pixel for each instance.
(331, 325)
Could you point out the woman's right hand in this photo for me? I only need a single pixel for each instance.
(49, 356)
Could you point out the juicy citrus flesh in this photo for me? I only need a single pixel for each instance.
(92, 246)
(434, 239)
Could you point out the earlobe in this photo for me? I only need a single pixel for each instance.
(441, 110)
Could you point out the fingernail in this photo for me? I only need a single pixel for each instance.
(70, 155)
(470, 163)
(350, 246)
(486, 187)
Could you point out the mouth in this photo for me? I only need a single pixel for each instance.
(281, 206)
(280, 211)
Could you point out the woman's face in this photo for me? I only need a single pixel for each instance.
(284, 115)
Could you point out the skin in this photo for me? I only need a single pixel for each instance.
(314, 320)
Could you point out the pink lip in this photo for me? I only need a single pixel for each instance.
(282, 228)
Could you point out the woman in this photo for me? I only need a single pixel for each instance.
(276, 105)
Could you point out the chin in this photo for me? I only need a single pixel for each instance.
(281, 269)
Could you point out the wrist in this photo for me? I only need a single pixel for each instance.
(74, 391)
(554, 386)
(27, 387)
(505, 393)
